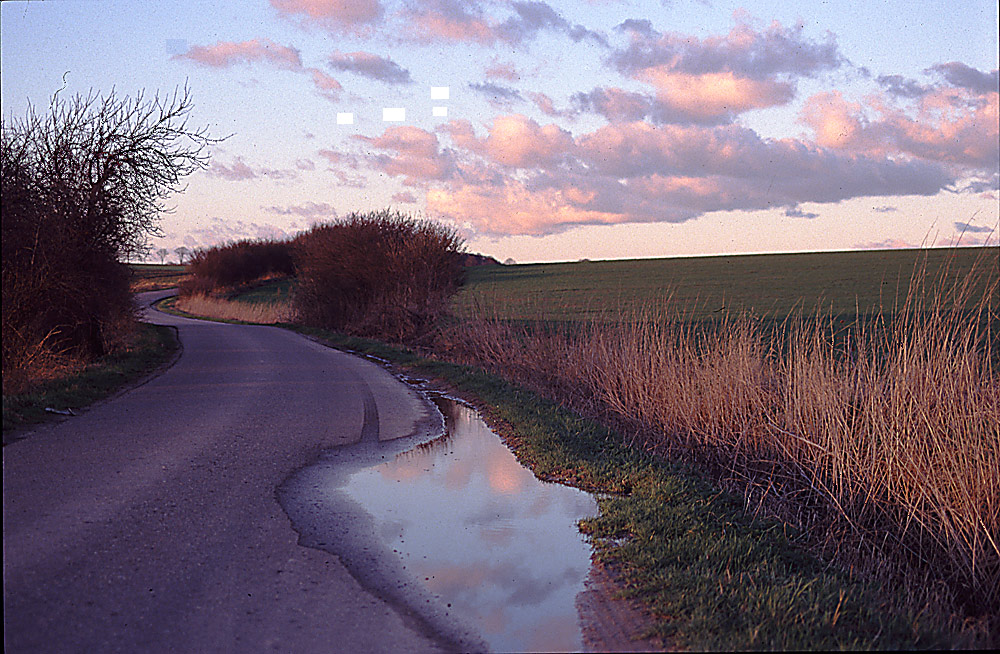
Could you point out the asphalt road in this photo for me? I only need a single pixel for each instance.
(151, 524)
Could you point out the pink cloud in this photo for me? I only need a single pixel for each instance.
(511, 209)
(450, 20)
(326, 85)
(417, 154)
(228, 53)
(503, 71)
(946, 124)
(635, 172)
(711, 96)
(546, 105)
(236, 172)
(712, 79)
(336, 15)
(519, 141)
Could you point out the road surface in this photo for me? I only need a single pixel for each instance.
(150, 523)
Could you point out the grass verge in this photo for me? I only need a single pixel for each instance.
(712, 575)
(154, 346)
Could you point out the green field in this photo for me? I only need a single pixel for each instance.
(841, 283)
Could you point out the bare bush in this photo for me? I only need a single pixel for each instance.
(229, 266)
(382, 273)
(83, 187)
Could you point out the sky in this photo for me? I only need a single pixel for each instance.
(555, 130)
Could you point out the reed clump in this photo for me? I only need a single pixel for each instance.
(880, 442)
(267, 313)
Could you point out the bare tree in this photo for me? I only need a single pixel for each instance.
(84, 186)
(162, 253)
(182, 252)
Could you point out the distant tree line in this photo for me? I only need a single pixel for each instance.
(83, 186)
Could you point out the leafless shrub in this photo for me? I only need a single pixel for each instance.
(83, 186)
(381, 273)
(229, 266)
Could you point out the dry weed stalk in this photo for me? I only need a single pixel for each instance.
(888, 433)
(218, 308)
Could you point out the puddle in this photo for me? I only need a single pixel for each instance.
(496, 547)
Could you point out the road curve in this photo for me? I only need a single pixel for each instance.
(150, 523)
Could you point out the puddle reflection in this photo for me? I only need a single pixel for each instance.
(497, 545)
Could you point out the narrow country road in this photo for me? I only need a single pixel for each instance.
(150, 523)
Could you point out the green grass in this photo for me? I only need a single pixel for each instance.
(842, 283)
(713, 576)
(155, 345)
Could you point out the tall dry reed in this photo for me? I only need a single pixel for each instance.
(883, 439)
(220, 309)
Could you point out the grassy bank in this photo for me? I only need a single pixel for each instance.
(154, 346)
(877, 437)
(713, 575)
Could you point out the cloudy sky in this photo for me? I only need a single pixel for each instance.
(556, 130)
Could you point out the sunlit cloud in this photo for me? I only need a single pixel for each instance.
(636, 172)
(956, 124)
(416, 154)
(334, 15)
(519, 141)
(224, 54)
(716, 78)
(326, 85)
(449, 20)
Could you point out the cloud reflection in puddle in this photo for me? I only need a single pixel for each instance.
(483, 534)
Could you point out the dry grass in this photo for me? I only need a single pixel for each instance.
(220, 309)
(882, 444)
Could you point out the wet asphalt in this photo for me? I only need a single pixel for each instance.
(150, 523)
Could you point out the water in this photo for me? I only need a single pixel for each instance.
(499, 548)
